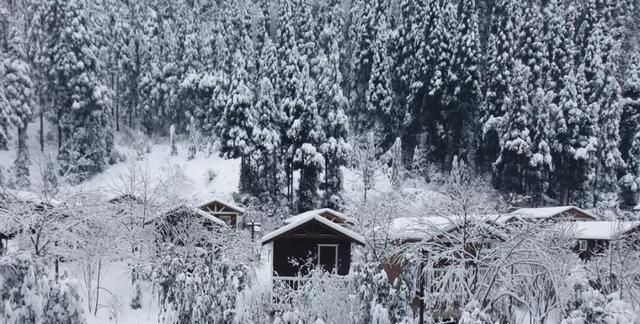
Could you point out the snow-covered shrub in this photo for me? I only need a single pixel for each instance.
(30, 294)
(211, 175)
(473, 314)
(588, 305)
(199, 289)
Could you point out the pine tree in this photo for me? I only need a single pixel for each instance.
(305, 135)
(84, 106)
(610, 161)
(630, 182)
(630, 120)
(381, 114)
(541, 162)
(333, 106)
(20, 96)
(463, 82)
(266, 136)
(512, 165)
(237, 122)
(501, 59)
(531, 49)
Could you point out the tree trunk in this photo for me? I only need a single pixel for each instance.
(41, 126)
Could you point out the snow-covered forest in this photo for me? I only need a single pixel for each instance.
(423, 125)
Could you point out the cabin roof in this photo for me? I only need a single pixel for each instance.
(319, 212)
(222, 202)
(548, 212)
(304, 219)
(601, 230)
(194, 210)
(637, 207)
(420, 228)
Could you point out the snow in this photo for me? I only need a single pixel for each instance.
(310, 217)
(116, 295)
(547, 212)
(600, 230)
(195, 186)
(30, 197)
(321, 211)
(636, 208)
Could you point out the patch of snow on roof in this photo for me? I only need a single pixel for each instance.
(307, 218)
(636, 208)
(547, 212)
(196, 211)
(318, 212)
(601, 230)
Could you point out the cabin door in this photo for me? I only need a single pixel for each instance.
(328, 257)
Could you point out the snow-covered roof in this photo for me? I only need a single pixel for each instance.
(419, 228)
(319, 212)
(30, 197)
(308, 218)
(221, 202)
(601, 230)
(636, 208)
(548, 212)
(196, 211)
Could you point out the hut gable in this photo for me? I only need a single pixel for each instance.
(223, 210)
(311, 240)
(327, 213)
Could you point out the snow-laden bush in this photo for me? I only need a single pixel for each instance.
(199, 289)
(31, 294)
(588, 305)
(474, 314)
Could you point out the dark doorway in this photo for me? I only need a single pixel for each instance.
(328, 256)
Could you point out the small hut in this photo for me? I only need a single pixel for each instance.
(311, 240)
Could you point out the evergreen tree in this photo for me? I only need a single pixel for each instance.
(83, 106)
(382, 113)
(630, 182)
(610, 161)
(630, 120)
(502, 40)
(20, 96)
(463, 83)
(512, 165)
(237, 122)
(542, 134)
(333, 105)
(266, 136)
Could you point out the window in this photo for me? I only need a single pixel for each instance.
(328, 257)
(582, 245)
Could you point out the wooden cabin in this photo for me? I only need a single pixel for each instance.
(225, 211)
(311, 240)
(594, 238)
(184, 225)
